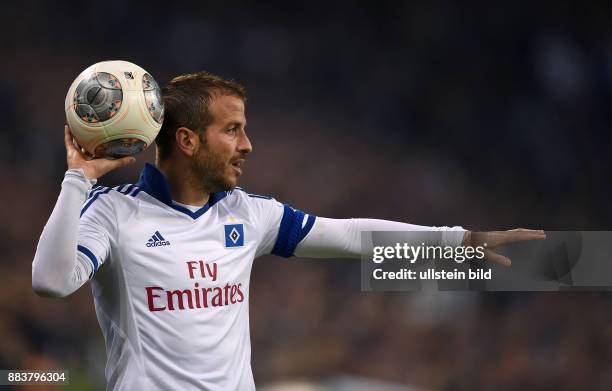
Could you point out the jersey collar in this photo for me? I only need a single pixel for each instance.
(153, 182)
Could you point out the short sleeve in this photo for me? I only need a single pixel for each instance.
(282, 226)
(97, 227)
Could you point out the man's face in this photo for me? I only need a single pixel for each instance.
(217, 163)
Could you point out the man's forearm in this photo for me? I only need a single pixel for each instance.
(341, 238)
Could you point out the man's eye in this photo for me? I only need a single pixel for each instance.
(233, 130)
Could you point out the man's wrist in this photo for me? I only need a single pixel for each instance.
(77, 176)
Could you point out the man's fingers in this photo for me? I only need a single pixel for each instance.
(540, 231)
(496, 238)
(124, 161)
(108, 165)
(93, 168)
(492, 256)
(68, 139)
(519, 235)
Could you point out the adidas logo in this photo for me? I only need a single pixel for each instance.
(157, 240)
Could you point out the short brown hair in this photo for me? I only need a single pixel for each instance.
(186, 100)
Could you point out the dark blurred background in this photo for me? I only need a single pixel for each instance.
(489, 115)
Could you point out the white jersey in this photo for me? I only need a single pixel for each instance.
(171, 285)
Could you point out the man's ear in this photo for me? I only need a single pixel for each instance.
(187, 141)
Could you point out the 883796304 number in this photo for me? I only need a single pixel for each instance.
(31, 377)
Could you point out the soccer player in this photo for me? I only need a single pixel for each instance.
(169, 258)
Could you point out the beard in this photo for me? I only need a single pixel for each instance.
(210, 171)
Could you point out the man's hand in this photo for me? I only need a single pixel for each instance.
(490, 240)
(93, 168)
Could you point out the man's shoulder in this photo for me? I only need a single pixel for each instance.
(106, 196)
(116, 192)
(240, 193)
(240, 199)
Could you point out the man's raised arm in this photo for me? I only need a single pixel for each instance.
(58, 268)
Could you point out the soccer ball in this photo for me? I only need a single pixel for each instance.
(114, 109)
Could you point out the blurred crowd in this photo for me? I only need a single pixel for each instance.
(489, 116)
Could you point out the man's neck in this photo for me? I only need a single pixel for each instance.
(183, 187)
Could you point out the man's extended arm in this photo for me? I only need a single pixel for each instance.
(341, 238)
(333, 238)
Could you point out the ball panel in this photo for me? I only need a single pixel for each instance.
(108, 80)
(98, 97)
(154, 105)
(120, 148)
(86, 113)
(153, 99)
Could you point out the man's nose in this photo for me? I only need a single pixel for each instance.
(244, 145)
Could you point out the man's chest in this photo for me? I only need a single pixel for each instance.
(159, 247)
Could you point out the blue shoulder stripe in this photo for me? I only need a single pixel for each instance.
(94, 198)
(95, 190)
(96, 187)
(121, 188)
(229, 192)
(259, 196)
(129, 189)
(125, 189)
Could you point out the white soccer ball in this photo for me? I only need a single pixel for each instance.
(114, 109)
